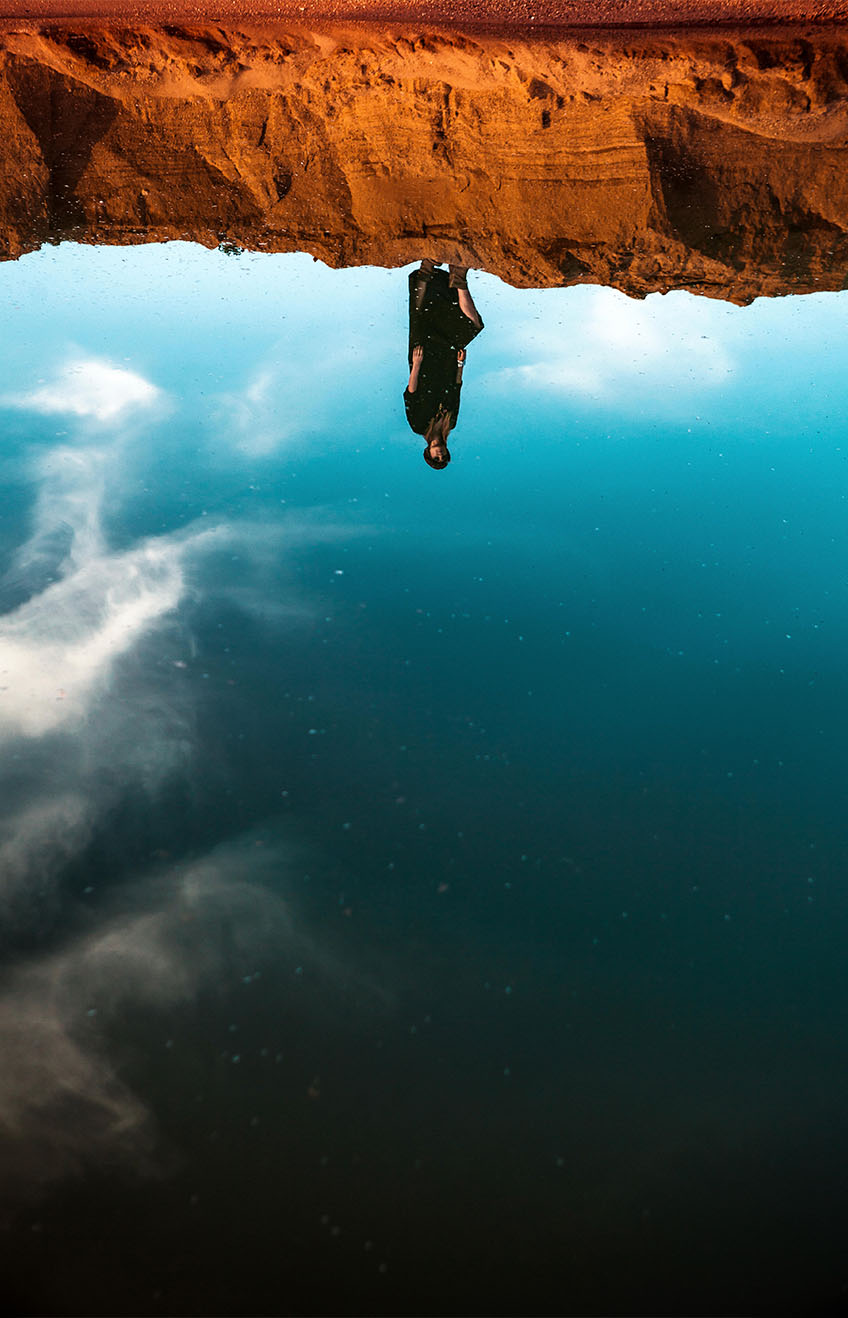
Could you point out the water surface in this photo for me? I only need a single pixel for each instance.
(423, 892)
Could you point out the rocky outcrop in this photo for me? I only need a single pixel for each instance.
(714, 161)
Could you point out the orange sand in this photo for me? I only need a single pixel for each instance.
(523, 14)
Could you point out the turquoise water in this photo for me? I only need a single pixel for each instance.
(422, 892)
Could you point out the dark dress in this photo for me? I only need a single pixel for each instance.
(442, 329)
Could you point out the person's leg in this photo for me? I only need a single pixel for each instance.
(467, 307)
(459, 281)
(422, 275)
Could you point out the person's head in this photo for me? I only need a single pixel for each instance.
(436, 454)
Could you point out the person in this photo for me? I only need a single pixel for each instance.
(442, 322)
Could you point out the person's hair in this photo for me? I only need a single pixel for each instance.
(439, 427)
(438, 464)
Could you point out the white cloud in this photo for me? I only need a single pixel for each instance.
(89, 388)
(268, 413)
(615, 348)
(62, 1102)
(88, 608)
(88, 712)
(37, 841)
(302, 390)
(57, 650)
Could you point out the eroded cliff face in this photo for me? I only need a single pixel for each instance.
(716, 162)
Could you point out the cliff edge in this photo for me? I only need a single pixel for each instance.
(714, 161)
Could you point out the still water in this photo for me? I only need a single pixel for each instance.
(423, 891)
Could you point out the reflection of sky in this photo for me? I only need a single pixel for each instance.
(589, 421)
(547, 749)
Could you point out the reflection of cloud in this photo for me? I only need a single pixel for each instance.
(69, 501)
(278, 405)
(36, 842)
(61, 1099)
(264, 416)
(85, 607)
(620, 347)
(297, 393)
(90, 734)
(90, 388)
(91, 720)
(57, 649)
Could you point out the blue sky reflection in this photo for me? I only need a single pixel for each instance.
(523, 780)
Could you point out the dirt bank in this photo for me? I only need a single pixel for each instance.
(701, 160)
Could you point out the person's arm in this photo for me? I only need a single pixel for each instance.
(460, 362)
(417, 359)
(467, 307)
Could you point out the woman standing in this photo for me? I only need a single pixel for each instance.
(442, 322)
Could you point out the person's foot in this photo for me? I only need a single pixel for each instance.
(458, 276)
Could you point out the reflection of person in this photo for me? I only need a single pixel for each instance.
(442, 322)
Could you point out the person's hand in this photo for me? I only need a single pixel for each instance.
(417, 355)
(460, 357)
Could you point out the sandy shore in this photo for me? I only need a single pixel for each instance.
(450, 13)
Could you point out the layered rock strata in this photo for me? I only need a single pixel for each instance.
(716, 162)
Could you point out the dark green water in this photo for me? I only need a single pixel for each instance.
(422, 892)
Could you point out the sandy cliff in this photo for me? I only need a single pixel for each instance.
(712, 161)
